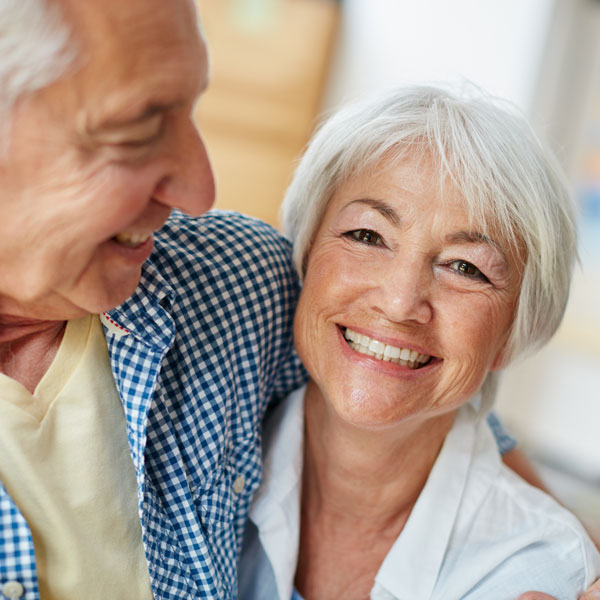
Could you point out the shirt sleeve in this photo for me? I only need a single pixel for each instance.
(291, 373)
(504, 440)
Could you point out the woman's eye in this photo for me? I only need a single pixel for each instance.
(467, 269)
(366, 236)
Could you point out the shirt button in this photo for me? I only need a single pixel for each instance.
(12, 590)
(238, 484)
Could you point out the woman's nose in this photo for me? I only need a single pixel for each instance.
(403, 291)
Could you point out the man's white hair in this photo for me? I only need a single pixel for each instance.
(487, 152)
(35, 50)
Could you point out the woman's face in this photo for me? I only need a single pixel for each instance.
(406, 306)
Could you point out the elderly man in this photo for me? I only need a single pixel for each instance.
(98, 147)
(129, 444)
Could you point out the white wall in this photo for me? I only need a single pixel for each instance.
(497, 44)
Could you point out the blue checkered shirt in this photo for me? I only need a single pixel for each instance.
(197, 352)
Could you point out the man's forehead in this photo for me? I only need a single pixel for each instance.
(115, 11)
(136, 57)
(134, 30)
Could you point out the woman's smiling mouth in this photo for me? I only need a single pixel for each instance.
(381, 351)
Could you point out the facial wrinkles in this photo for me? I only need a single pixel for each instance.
(400, 285)
(76, 192)
(156, 39)
(470, 317)
(357, 279)
(465, 378)
(25, 218)
(43, 246)
(137, 132)
(321, 261)
(90, 195)
(70, 205)
(490, 300)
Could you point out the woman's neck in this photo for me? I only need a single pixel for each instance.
(359, 487)
(368, 474)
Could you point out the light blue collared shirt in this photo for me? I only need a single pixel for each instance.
(476, 532)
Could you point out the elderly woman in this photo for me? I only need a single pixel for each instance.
(435, 239)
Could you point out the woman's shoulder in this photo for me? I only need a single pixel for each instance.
(517, 538)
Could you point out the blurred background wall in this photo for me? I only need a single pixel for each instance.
(277, 65)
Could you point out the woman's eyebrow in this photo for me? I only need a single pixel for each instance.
(476, 237)
(381, 207)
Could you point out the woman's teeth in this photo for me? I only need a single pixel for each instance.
(375, 348)
(132, 240)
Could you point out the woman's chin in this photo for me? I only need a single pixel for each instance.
(363, 410)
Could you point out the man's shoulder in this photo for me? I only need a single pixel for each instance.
(223, 249)
(218, 234)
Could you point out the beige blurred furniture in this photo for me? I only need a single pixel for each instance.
(269, 61)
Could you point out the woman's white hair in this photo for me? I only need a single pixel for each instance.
(487, 152)
(35, 50)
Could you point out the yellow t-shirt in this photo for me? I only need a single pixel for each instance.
(65, 461)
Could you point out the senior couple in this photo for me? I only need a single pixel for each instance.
(140, 348)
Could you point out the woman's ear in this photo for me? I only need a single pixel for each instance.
(502, 358)
(499, 361)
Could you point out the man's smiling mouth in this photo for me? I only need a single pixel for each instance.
(132, 240)
(376, 349)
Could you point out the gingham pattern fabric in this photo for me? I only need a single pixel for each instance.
(17, 559)
(197, 352)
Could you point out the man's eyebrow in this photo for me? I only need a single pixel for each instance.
(146, 112)
(476, 237)
(381, 207)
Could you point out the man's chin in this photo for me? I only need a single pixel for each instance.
(90, 295)
(111, 299)
(98, 299)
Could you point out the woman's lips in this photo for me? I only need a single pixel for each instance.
(385, 352)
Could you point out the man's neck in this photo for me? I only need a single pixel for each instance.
(28, 347)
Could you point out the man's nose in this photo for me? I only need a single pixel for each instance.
(190, 184)
(403, 291)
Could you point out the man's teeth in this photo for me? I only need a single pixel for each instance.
(370, 347)
(131, 240)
